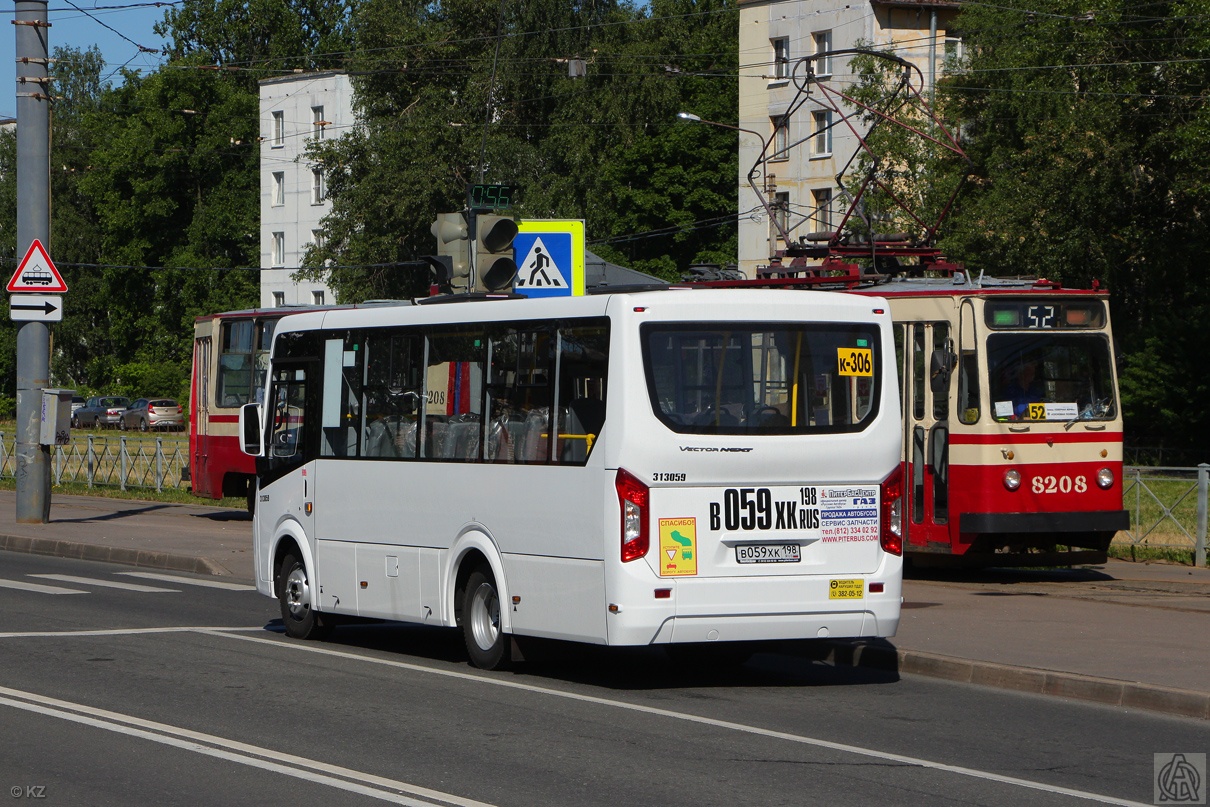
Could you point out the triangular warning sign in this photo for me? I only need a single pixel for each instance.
(538, 270)
(37, 272)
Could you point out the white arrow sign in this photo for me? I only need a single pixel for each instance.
(35, 308)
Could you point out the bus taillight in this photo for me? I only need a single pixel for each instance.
(891, 521)
(633, 498)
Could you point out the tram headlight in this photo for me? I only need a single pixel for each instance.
(1012, 479)
(1104, 479)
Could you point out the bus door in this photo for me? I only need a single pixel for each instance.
(926, 434)
(285, 472)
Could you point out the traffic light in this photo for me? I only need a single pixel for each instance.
(495, 266)
(453, 242)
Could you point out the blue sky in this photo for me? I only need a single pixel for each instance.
(82, 29)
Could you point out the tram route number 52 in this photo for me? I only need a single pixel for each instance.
(855, 361)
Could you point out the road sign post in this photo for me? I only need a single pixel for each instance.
(33, 228)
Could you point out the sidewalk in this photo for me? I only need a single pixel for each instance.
(1129, 634)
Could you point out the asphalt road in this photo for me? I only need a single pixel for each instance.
(191, 695)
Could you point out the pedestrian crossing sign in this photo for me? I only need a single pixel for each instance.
(550, 258)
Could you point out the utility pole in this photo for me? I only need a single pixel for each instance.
(33, 222)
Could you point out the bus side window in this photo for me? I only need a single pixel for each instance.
(582, 372)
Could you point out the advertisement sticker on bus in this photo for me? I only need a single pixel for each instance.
(849, 514)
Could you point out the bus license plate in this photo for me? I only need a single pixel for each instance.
(767, 553)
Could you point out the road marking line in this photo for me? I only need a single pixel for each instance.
(706, 721)
(92, 581)
(366, 784)
(38, 587)
(55, 634)
(189, 581)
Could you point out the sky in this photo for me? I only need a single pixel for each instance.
(82, 29)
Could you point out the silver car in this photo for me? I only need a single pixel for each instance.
(153, 413)
(104, 411)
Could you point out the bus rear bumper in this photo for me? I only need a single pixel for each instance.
(760, 609)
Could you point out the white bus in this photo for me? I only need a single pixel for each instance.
(677, 466)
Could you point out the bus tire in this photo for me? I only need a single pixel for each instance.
(295, 594)
(486, 642)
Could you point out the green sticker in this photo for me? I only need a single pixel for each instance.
(863, 343)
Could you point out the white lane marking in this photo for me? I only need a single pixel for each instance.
(92, 581)
(38, 587)
(706, 721)
(189, 581)
(311, 770)
(55, 634)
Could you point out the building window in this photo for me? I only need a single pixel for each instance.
(317, 122)
(781, 210)
(317, 297)
(781, 58)
(821, 133)
(279, 249)
(781, 137)
(823, 209)
(823, 43)
(318, 192)
(279, 129)
(279, 188)
(279, 298)
(317, 238)
(954, 52)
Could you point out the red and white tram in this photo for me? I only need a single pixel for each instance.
(230, 357)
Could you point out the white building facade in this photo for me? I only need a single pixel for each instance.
(294, 111)
(801, 180)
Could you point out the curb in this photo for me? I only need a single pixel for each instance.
(1126, 694)
(109, 554)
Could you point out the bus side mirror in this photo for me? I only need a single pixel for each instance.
(251, 434)
(940, 366)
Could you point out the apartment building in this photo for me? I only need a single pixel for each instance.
(294, 111)
(812, 147)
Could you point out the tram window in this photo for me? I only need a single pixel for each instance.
(918, 366)
(941, 345)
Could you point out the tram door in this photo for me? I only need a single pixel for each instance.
(928, 361)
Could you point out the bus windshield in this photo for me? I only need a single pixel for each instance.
(745, 378)
(1053, 376)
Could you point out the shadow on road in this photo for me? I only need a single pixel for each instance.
(1008, 576)
(224, 515)
(771, 664)
(114, 516)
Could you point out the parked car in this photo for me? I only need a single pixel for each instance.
(153, 413)
(77, 401)
(104, 411)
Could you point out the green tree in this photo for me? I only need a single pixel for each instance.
(1087, 126)
(604, 147)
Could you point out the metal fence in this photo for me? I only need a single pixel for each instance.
(120, 461)
(1167, 508)
(1168, 505)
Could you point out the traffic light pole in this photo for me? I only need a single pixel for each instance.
(33, 222)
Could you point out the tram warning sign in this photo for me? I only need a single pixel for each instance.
(36, 273)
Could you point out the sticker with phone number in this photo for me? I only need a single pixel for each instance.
(846, 589)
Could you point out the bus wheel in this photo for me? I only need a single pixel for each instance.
(295, 594)
(486, 643)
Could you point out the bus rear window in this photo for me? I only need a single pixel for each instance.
(745, 378)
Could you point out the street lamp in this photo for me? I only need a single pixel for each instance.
(752, 173)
